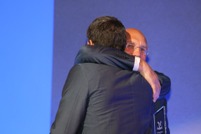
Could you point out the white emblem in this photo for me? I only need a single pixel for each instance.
(159, 125)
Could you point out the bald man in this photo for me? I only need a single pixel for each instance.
(136, 47)
(136, 43)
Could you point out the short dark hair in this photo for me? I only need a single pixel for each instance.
(107, 31)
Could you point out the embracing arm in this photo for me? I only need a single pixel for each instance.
(120, 59)
(152, 78)
(165, 84)
(72, 107)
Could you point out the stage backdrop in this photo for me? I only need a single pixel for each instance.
(26, 31)
(173, 30)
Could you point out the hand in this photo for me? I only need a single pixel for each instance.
(152, 78)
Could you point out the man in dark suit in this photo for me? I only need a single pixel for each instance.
(103, 98)
(136, 46)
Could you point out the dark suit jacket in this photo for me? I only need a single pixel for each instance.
(103, 99)
(116, 58)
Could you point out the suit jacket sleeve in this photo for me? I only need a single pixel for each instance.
(108, 56)
(72, 107)
(116, 58)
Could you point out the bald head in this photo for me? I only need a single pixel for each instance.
(136, 43)
(135, 34)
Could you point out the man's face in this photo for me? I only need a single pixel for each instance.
(136, 44)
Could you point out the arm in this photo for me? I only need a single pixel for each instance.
(72, 108)
(147, 72)
(165, 83)
(117, 58)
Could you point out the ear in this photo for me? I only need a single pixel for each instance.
(89, 42)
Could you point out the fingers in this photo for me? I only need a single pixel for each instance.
(156, 96)
(155, 85)
(156, 90)
(151, 77)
